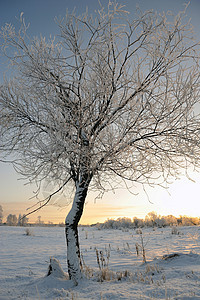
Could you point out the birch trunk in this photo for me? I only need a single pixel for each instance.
(71, 230)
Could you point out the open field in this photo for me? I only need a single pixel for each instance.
(24, 263)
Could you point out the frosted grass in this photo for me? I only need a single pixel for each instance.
(24, 263)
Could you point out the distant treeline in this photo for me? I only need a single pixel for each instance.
(22, 220)
(151, 220)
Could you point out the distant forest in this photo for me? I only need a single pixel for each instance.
(151, 220)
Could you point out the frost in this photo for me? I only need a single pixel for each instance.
(55, 269)
(125, 276)
(107, 102)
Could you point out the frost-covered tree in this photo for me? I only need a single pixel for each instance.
(19, 220)
(11, 220)
(39, 221)
(22, 220)
(109, 99)
(1, 214)
(171, 220)
(151, 218)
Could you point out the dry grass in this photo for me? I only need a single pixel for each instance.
(148, 276)
(140, 247)
(104, 273)
(175, 230)
(28, 232)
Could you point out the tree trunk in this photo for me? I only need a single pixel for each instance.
(71, 230)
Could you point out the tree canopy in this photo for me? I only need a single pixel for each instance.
(113, 96)
(109, 98)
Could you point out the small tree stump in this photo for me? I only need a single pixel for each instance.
(55, 269)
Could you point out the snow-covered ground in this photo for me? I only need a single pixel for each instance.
(24, 263)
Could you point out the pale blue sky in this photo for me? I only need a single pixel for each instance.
(41, 14)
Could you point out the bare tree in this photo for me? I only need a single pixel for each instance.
(1, 214)
(22, 220)
(109, 98)
(11, 220)
(151, 218)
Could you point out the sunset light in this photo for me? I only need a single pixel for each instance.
(99, 149)
(183, 198)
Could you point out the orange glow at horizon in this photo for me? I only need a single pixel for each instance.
(93, 212)
(183, 199)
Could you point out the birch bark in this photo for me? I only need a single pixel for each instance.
(71, 230)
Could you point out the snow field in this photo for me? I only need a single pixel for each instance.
(24, 261)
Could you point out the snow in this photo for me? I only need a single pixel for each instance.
(24, 262)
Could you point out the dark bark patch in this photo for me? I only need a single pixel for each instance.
(170, 256)
(49, 270)
(55, 269)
